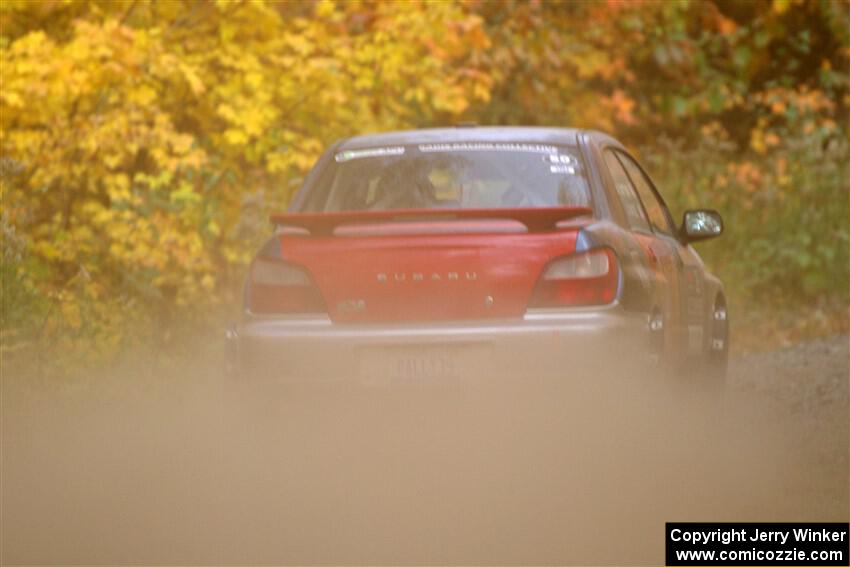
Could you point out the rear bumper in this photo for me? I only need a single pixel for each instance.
(315, 349)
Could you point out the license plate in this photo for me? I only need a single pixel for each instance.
(419, 365)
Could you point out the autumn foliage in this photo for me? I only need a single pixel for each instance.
(144, 143)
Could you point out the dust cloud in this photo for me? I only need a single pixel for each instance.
(152, 464)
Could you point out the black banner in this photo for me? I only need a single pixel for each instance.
(757, 544)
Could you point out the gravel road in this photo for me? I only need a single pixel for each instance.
(805, 378)
(145, 465)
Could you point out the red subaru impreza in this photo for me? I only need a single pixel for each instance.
(427, 255)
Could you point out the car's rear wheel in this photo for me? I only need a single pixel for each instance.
(662, 361)
(717, 357)
(656, 340)
(231, 354)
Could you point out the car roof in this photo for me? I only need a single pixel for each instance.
(506, 134)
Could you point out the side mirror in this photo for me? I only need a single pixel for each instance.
(700, 225)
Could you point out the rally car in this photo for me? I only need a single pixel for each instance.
(429, 255)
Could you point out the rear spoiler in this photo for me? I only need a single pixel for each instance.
(535, 219)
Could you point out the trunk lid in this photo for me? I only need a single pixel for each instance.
(432, 265)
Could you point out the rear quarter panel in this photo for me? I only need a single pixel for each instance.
(641, 288)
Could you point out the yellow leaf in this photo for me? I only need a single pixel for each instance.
(325, 8)
(235, 137)
(71, 314)
(193, 79)
(46, 250)
(11, 99)
(781, 6)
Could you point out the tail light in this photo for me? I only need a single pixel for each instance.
(281, 287)
(588, 278)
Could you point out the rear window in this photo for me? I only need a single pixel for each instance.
(453, 175)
